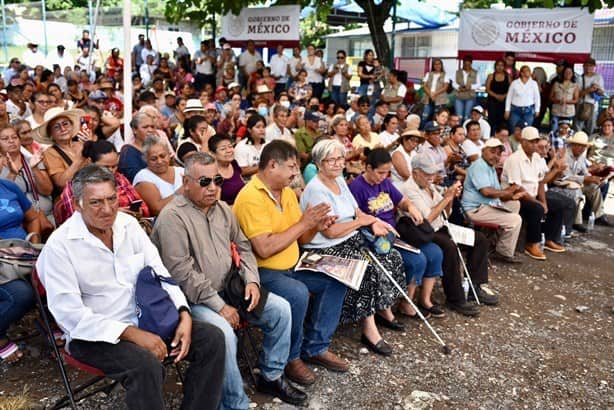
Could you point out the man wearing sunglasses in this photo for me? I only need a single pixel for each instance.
(194, 234)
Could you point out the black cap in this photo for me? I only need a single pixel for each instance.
(61, 47)
(432, 126)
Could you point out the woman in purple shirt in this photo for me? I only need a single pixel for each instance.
(220, 145)
(376, 196)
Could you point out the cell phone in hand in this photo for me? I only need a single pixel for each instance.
(135, 206)
(86, 123)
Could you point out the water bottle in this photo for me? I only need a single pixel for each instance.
(542, 241)
(465, 284)
(591, 221)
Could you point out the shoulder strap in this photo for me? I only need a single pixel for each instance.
(64, 156)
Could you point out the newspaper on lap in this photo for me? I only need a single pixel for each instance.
(347, 271)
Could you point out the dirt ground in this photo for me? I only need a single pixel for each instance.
(547, 345)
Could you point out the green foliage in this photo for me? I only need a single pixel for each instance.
(313, 31)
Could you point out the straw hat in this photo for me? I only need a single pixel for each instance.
(41, 133)
(579, 138)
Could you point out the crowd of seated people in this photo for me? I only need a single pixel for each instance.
(227, 159)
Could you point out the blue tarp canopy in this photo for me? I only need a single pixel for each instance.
(418, 12)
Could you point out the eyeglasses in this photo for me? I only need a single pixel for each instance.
(43, 102)
(334, 161)
(59, 126)
(204, 182)
(340, 57)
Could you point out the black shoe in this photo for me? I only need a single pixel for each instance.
(434, 311)
(380, 347)
(466, 309)
(415, 316)
(281, 389)
(603, 221)
(390, 324)
(506, 259)
(580, 228)
(486, 297)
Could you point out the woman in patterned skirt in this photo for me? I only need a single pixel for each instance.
(372, 302)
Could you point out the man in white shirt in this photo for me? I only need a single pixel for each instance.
(181, 50)
(523, 101)
(278, 130)
(16, 107)
(473, 144)
(477, 114)
(247, 62)
(591, 90)
(33, 57)
(94, 303)
(87, 61)
(280, 69)
(524, 168)
(61, 58)
(204, 63)
(146, 71)
(148, 50)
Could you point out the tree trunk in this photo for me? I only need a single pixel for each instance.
(376, 17)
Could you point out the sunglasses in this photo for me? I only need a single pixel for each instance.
(204, 182)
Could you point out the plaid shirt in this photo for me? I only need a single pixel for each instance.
(63, 208)
(556, 141)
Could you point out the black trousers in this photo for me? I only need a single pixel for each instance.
(560, 209)
(477, 264)
(142, 374)
(532, 214)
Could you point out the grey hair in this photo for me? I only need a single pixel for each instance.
(138, 117)
(150, 141)
(90, 174)
(200, 158)
(324, 148)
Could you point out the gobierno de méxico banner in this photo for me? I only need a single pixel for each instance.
(533, 34)
(266, 26)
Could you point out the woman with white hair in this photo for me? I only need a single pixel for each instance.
(372, 302)
(159, 181)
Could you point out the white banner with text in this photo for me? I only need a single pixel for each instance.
(266, 26)
(533, 34)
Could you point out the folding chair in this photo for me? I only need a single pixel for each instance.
(62, 357)
(247, 347)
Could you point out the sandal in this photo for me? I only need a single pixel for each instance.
(10, 353)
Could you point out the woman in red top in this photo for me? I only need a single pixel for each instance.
(114, 63)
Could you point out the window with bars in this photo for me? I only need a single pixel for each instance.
(603, 46)
(416, 46)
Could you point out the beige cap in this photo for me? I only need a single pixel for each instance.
(530, 133)
(494, 143)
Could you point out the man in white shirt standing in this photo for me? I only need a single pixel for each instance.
(278, 130)
(94, 303)
(62, 59)
(523, 101)
(280, 69)
(591, 91)
(204, 63)
(33, 57)
(247, 62)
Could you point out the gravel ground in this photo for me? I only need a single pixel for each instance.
(547, 345)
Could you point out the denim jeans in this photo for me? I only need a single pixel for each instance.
(338, 97)
(525, 114)
(142, 374)
(426, 264)
(363, 89)
(311, 335)
(275, 323)
(462, 108)
(16, 299)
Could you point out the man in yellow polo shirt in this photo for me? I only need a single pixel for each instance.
(271, 218)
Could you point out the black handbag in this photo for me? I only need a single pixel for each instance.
(415, 235)
(233, 292)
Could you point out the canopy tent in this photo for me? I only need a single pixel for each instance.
(415, 11)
